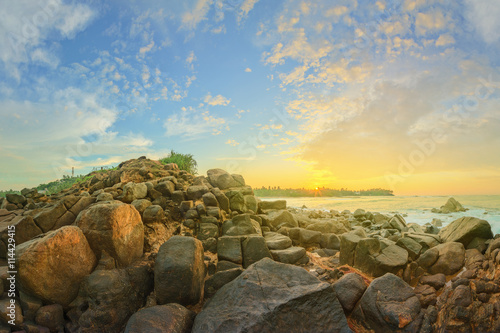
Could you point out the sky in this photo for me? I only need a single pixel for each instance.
(358, 94)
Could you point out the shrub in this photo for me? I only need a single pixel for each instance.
(183, 161)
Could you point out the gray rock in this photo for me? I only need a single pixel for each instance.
(179, 271)
(254, 248)
(388, 305)
(276, 204)
(465, 229)
(170, 318)
(260, 300)
(219, 279)
(229, 248)
(290, 255)
(447, 258)
(283, 218)
(349, 289)
(276, 241)
(207, 230)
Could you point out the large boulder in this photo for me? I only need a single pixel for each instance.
(25, 229)
(52, 266)
(276, 241)
(446, 258)
(254, 248)
(115, 228)
(229, 248)
(111, 296)
(273, 297)
(179, 271)
(169, 318)
(282, 218)
(375, 259)
(133, 191)
(241, 225)
(465, 229)
(388, 305)
(349, 289)
(223, 180)
(64, 212)
(348, 243)
(291, 255)
(426, 241)
(328, 227)
(451, 206)
(276, 204)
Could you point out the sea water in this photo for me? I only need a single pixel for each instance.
(417, 208)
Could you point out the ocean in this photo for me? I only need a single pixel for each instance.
(417, 208)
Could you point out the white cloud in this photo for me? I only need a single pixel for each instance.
(484, 14)
(192, 18)
(191, 58)
(192, 123)
(248, 70)
(147, 48)
(232, 142)
(217, 100)
(28, 27)
(245, 8)
(444, 40)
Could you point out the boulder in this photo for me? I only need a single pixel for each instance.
(375, 259)
(451, 206)
(359, 213)
(207, 230)
(328, 227)
(25, 229)
(276, 241)
(465, 229)
(196, 192)
(52, 266)
(51, 316)
(133, 191)
(272, 205)
(179, 271)
(330, 241)
(153, 214)
(116, 228)
(254, 248)
(273, 297)
(229, 248)
(411, 246)
(169, 318)
(241, 225)
(447, 258)
(209, 199)
(64, 212)
(223, 180)
(289, 256)
(219, 279)
(111, 296)
(388, 305)
(166, 188)
(437, 281)
(16, 199)
(427, 241)
(348, 244)
(349, 289)
(282, 218)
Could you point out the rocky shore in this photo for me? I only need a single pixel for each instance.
(151, 248)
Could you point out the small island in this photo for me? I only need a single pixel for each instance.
(318, 192)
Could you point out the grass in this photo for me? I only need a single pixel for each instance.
(184, 161)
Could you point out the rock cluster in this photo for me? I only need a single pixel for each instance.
(151, 248)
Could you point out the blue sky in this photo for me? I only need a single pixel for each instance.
(401, 95)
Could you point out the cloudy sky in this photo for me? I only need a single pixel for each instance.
(360, 94)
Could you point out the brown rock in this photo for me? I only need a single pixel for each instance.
(52, 267)
(116, 228)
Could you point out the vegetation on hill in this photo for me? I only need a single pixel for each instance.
(183, 161)
(320, 192)
(11, 191)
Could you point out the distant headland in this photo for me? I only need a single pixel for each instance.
(318, 192)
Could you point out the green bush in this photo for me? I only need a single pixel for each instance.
(183, 161)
